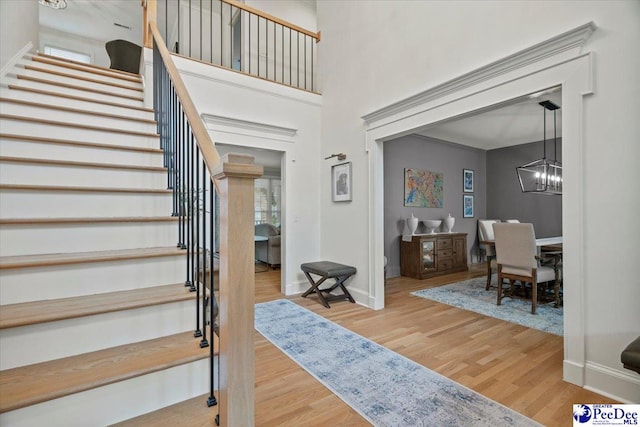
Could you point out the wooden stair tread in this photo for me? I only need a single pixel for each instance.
(83, 189)
(85, 220)
(84, 65)
(76, 87)
(31, 313)
(77, 98)
(72, 163)
(85, 79)
(78, 125)
(32, 384)
(43, 260)
(77, 110)
(45, 140)
(193, 412)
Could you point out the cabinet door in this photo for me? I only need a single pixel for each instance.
(428, 255)
(459, 252)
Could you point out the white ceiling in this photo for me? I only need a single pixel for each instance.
(95, 19)
(515, 122)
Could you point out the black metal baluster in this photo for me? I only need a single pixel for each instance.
(196, 253)
(213, 309)
(182, 186)
(312, 44)
(192, 197)
(190, 29)
(189, 200)
(290, 58)
(305, 60)
(177, 49)
(204, 342)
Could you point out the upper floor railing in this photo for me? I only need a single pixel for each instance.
(235, 36)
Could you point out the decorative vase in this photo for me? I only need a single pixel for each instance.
(448, 222)
(412, 223)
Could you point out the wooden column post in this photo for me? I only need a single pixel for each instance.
(149, 12)
(236, 185)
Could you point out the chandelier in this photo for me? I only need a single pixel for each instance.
(543, 176)
(54, 4)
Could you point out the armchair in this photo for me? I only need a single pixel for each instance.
(268, 251)
(124, 55)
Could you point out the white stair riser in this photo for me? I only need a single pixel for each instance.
(9, 80)
(39, 283)
(74, 103)
(50, 239)
(130, 90)
(43, 174)
(18, 148)
(102, 75)
(50, 113)
(55, 340)
(133, 397)
(43, 204)
(26, 128)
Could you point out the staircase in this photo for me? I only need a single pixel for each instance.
(96, 325)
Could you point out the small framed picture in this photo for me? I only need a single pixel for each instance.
(467, 206)
(467, 180)
(341, 182)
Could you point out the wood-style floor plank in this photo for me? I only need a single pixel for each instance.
(518, 367)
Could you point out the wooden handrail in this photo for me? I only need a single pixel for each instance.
(282, 22)
(200, 133)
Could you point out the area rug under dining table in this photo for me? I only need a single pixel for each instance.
(472, 295)
(386, 388)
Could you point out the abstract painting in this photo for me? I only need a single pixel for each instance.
(423, 188)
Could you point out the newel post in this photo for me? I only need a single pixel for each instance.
(235, 177)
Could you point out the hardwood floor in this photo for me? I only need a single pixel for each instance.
(518, 367)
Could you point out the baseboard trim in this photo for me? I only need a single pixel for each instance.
(573, 372)
(612, 383)
(14, 59)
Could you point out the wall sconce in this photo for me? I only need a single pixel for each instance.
(340, 156)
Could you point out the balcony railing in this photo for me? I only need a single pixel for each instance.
(229, 34)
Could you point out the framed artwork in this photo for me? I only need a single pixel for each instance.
(341, 182)
(467, 206)
(467, 180)
(423, 189)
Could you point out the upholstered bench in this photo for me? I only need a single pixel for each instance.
(630, 356)
(328, 270)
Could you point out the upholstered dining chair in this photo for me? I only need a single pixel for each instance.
(512, 221)
(517, 259)
(485, 234)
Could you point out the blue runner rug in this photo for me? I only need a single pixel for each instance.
(384, 387)
(472, 295)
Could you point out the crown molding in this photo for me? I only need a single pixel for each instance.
(246, 127)
(570, 40)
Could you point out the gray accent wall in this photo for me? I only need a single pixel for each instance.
(505, 200)
(419, 152)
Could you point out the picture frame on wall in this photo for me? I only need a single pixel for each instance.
(467, 206)
(467, 180)
(341, 182)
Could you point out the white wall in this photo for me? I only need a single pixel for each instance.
(94, 48)
(18, 27)
(245, 111)
(398, 51)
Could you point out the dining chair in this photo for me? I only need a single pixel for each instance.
(512, 221)
(517, 259)
(485, 234)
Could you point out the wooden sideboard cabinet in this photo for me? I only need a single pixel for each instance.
(429, 255)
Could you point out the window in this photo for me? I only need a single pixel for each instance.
(267, 199)
(67, 54)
